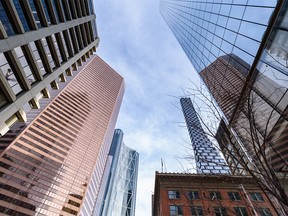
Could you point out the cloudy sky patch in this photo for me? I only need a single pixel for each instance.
(137, 43)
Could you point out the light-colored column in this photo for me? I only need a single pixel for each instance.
(68, 43)
(87, 33)
(61, 46)
(53, 51)
(78, 8)
(54, 85)
(61, 14)
(14, 16)
(66, 7)
(74, 40)
(17, 69)
(73, 9)
(32, 62)
(83, 7)
(30, 17)
(50, 8)
(79, 36)
(6, 89)
(41, 13)
(84, 36)
(43, 55)
(3, 33)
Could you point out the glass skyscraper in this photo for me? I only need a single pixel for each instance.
(237, 46)
(120, 193)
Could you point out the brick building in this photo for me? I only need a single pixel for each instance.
(197, 195)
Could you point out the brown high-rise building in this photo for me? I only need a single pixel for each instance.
(262, 101)
(198, 195)
(54, 166)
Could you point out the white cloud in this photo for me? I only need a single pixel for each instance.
(137, 43)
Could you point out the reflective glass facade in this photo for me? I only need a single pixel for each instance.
(239, 48)
(208, 159)
(120, 193)
(48, 168)
(209, 29)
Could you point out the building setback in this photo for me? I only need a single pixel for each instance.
(120, 193)
(208, 159)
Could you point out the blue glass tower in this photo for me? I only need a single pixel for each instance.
(121, 183)
(208, 159)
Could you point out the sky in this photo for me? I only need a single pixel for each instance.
(137, 43)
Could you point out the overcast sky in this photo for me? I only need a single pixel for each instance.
(137, 43)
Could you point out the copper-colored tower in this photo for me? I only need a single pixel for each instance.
(57, 161)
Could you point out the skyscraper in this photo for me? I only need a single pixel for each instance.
(55, 165)
(40, 43)
(223, 35)
(208, 159)
(225, 79)
(58, 108)
(237, 47)
(120, 193)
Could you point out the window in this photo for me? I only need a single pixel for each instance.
(196, 211)
(176, 210)
(215, 195)
(256, 196)
(220, 211)
(264, 212)
(173, 194)
(193, 195)
(240, 211)
(234, 196)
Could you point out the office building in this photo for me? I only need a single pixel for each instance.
(240, 51)
(207, 157)
(55, 165)
(58, 107)
(120, 193)
(41, 42)
(199, 194)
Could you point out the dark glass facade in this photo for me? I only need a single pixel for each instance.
(21, 14)
(209, 29)
(5, 20)
(239, 48)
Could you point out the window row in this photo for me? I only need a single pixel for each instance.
(41, 57)
(214, 195)
(177, 210)
(41, 13)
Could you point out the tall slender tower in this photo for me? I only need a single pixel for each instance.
(208, 159)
